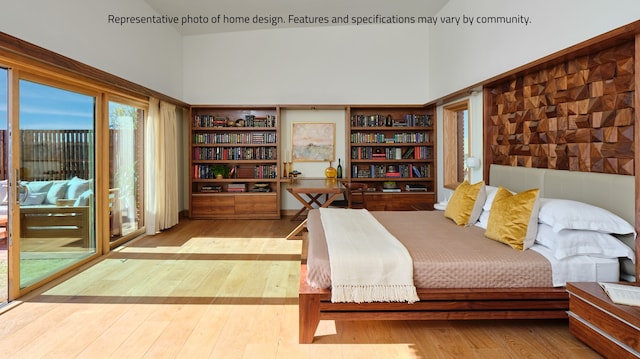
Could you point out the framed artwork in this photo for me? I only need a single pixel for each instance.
(313, 141)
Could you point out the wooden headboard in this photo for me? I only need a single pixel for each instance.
(612, 192)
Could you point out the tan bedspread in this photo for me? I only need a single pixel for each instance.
(444, 255)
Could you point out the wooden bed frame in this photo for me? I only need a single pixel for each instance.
(465, 304)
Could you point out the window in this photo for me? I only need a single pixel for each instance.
(126, 166)
(57, 174)
(456, 142)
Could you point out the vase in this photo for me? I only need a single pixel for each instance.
(330, 172)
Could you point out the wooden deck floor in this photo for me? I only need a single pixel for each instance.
(228, 289)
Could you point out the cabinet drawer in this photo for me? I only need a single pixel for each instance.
(615, 327)
(399, 201)
(256, 204)
(596, 339)
(212, 205)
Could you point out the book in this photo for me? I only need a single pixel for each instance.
(391, 190)
(622, 294)
(415, 187)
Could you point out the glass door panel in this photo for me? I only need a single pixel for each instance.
(56, 180)
(126, 138)
(4, 255)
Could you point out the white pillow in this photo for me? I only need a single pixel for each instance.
(483, 220)
(574, 242)
(77, 186)
(567, 214)
(491, 194)
(34, 198)
(57, 191)
(83, 199)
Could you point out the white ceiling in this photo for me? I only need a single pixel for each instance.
(208, 9)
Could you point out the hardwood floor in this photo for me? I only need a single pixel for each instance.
(228, 289)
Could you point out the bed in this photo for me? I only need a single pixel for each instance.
(484, 296)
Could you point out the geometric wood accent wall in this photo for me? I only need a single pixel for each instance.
(576, 115)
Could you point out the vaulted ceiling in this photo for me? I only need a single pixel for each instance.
(212, 16)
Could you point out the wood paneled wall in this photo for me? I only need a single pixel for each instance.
(575, 115)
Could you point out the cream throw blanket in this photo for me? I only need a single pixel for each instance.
(368, 264)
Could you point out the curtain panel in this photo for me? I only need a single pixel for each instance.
(161, 162)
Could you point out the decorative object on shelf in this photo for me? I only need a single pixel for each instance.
(389, 184)
(261, 187)
(240, 122)
(231, 123)
(339, 170)
(388, 121)
(220, 171)
(313, 141)
(330, 172)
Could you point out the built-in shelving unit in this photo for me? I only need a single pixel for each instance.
(392, 149)
(234, 162)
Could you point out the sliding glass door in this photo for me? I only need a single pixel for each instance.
(126, 168)
(4, 257)
(55, 179)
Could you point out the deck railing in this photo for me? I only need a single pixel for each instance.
(56, 154)
(52, 154)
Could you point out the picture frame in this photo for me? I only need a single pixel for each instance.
(313, 141)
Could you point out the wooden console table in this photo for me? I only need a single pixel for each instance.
(309, 192)
(610, 329)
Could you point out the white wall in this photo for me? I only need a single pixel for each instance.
(311, 169)
(462, 56)
(327, 65)
(147, 54)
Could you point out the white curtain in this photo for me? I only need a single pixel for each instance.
(161, 167)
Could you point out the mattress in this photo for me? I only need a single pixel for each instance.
(448, 256)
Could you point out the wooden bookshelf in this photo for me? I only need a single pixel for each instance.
(234, 162)
(393, 144)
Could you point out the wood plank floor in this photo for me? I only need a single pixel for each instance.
(228, 289)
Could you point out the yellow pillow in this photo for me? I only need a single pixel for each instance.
(466, 203)
(513, 218)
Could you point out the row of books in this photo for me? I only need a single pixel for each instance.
(390, 153)
(259, 171)
(237, 187)
(379, 137)
(254, 138)
(382, 171)
(378, 120)
(223, 121)
(235, 153)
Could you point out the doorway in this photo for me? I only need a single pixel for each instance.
(52, 210)
(4, 254)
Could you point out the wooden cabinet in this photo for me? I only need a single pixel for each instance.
(610, 329)
(234, 162)
(393, 146)
(403, 201)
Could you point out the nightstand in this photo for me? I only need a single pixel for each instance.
(610, 329)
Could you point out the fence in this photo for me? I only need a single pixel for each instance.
(56, 154)
(52, 154)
